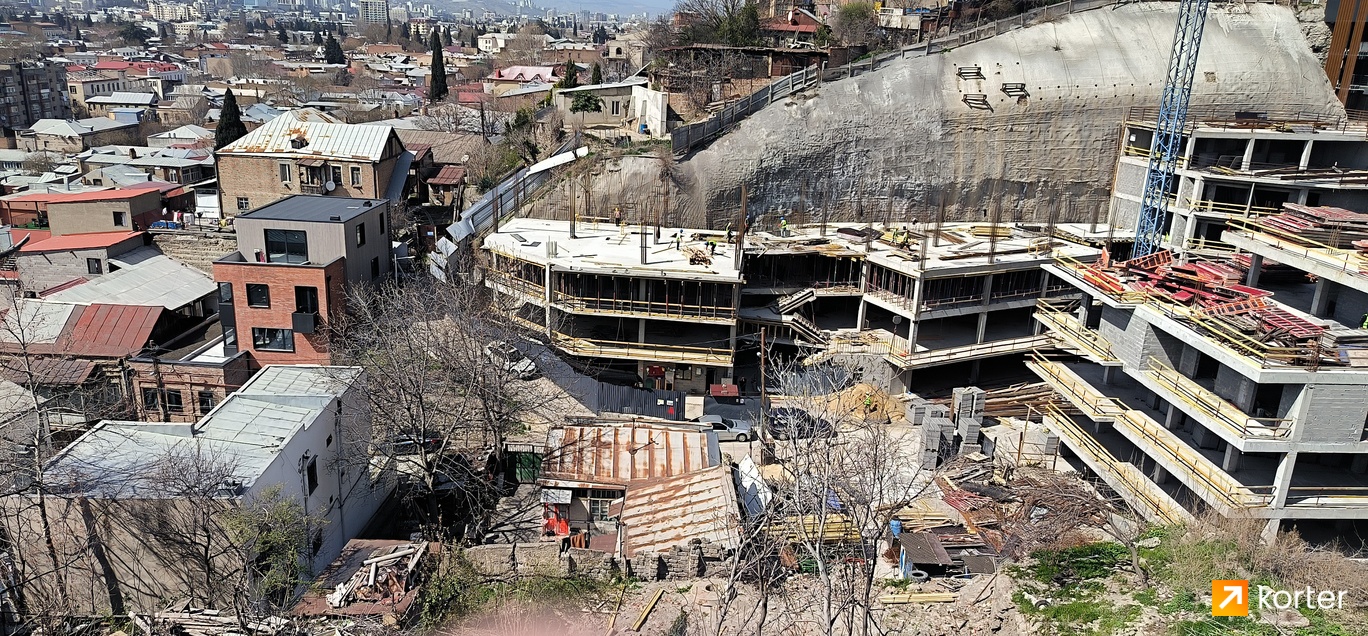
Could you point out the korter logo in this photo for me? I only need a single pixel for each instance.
(1232, 598)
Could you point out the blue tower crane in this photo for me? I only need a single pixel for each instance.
(1168, 133)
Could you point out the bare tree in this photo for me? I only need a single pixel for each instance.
(443, 404)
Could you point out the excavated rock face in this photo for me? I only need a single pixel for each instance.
(902, 142)
(1315, 30)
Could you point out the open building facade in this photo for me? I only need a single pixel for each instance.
(1226, 373)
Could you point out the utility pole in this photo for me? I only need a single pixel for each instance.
(764, 420)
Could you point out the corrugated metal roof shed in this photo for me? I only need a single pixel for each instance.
(47, 371)
(590, 456)
(664, 513)
(326, 136)
(146, 277)
(111, 331)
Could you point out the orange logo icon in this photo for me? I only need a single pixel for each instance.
(1230, 598)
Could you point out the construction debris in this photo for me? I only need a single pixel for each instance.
(1020, 400)
(918, 597)
(370, 578)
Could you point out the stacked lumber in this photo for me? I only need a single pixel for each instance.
(182, 618)
(1336, 227)
(835, 528)
(1020, 400)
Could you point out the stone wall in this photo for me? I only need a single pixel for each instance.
(515, 560)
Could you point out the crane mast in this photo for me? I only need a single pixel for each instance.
(1166, 148)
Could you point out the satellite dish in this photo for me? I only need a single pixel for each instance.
(330, 186)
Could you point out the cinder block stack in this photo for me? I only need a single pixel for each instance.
(969, 403)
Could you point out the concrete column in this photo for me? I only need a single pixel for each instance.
(1299, 197)
(1282, 479)
(1305, 161)
(1359, 464)
(1270, 530)
(1255, 268)
(1321, 299)
(546, 306)
(1159, 475)
(641, 330)
(1173, 418)
(1248, 155)
(1231, 462)
(982, 328)
(918, 293)
(864, 288)
(1205, 438)
(1108, 375)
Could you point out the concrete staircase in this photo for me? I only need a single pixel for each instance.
(195, 249)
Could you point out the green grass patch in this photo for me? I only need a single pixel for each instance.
(1081, 563)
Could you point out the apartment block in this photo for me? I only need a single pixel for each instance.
(289, 277)
(1228, 372)
(685, 311)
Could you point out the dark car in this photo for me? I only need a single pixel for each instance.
(795, 423)
(404, 444)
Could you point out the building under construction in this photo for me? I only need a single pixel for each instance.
(1230, 373)
(680, 309)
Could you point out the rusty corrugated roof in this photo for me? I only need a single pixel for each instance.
(589, 456)
(664, 513)
(111, 331)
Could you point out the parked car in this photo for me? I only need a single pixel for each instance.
(795, 423)
(728, 430)
(511, 360)
(407, 444)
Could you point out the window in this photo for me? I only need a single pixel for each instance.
(151, 399)
(306, 300)
(258, 295)
(244, 204)
(175, 402)
(285, 173)
(356, 176)
(360, 234)
(230, 337)
(312, 474)
(206, 401)
(120, 219)
(384, 220)
(287, 246)
(272, 339)
(375, 268)
(617, 107)
(93, 266)
(225, 292)
(336, 172)
(598, 509)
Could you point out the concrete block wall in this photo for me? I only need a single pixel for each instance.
(1235, 388)
(1335, 412)
(1130, 179)
(1134, 341)
(1113, 327)
(1350, 305)
(506, 561)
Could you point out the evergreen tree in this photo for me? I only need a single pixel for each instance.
(230, 127)
(281, 34)
(341, 32)
(596, 75)
(437, 90)
(76, 34)
(571, 78)
(332, 52)
(318, 37)
(405, 32)
(446, 36)
(88, 21)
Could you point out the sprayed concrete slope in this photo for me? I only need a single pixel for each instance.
(906, 129)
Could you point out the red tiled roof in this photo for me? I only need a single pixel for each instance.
(79, 242)
(448, 175)
(111, 331)
(81, 197)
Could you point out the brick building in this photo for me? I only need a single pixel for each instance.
(309, 152)
(289, 277)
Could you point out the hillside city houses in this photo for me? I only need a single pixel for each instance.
(319, 315)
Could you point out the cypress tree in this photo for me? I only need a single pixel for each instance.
(437, 90)
(332, 52)
(230, 127)
(280, 33)
(596, 75)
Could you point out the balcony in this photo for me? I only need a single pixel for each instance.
(1093, 403)
(1191, 467)
(1178, 388)
(938, 357)
(1067, 328)
(645, 309)
(304, 322)
(312, 188)
(641, 351)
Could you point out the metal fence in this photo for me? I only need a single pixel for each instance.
(505, 197)
(686, 138)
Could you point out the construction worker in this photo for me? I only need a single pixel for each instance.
(783, 226)
(712, 247)
(730, 233)
(1365, 322)
(679, 240)
(869, 403)
(617, 217)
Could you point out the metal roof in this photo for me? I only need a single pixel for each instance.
(246, 433)
(315, 208)
(587, 456)
(93, 240)
(307, 379)
(111, 331)
(325, 135)
(78, 127)
(47, 371)
(673, 511)
(145, 277)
